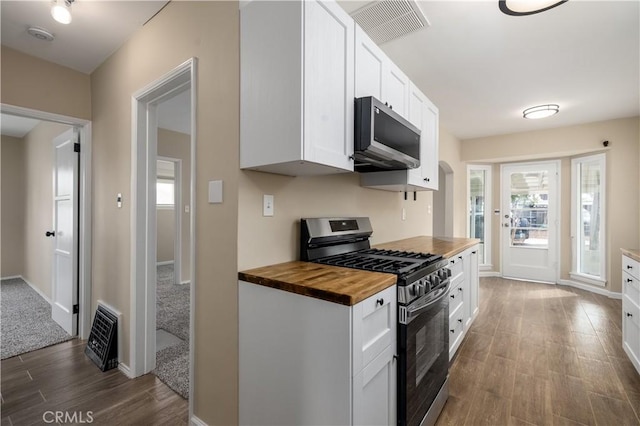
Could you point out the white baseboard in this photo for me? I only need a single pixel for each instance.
(489, 274)
(195, 421)
(166, 262)
(592, 289)
(12, 277)
(125, 370)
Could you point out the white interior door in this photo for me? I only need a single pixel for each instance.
(65, 228)
(529, 221)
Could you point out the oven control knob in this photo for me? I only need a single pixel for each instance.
(436, 280)
(420, 289)
(412, 290)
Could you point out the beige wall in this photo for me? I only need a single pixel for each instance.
(210, 32)
(267, 240)
(623, 188)
(178, 145)
(165, 237)
(450, 153)
(12, 191)
(38, 210)
(33, 83)
(26, 221)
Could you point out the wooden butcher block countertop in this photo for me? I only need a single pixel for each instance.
(331, 283)
(634, 254)
(344, 285)
(445, 246)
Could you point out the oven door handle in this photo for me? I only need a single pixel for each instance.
(414, 312)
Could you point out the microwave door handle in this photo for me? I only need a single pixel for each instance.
(412, 313)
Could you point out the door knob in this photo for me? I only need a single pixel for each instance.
(50, 233)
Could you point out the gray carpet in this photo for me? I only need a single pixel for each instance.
(172, 315)
(26, 320)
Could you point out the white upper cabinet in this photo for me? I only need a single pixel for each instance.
(297, 87)
(376, 75)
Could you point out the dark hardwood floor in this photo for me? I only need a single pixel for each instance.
(542, 355)
(61, 378)
(536, 355)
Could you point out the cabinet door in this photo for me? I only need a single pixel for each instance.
(328, 85)
(369, 66)
(631, 331)
(429, 146)
(375, 322)
(474, 290)
(417, 116)
(374, 391)
(395, 89)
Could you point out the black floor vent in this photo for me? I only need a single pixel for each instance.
(102, 346)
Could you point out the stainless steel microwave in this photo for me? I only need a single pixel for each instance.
(384, 140)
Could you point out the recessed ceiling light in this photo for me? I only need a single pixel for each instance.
(527, 7)
(541, 111)
(40, 33)
(61, 11)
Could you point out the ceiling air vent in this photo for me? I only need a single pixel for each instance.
(387, 20)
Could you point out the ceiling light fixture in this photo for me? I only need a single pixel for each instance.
(527, 7)
(541, 111)
(61, 11)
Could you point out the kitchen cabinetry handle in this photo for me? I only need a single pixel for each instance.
(427, 179)
(459, 288)
(629, 280)
(50, 234)
(380, 302)
(453, 296)
(452, 331)
(629, 267)
(460, 257)
(474, 252)
(460, 321)
(629, 314)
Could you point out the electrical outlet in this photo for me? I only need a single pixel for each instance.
(267, 205)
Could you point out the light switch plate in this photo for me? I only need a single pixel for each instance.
(215, 191)
(267, 205)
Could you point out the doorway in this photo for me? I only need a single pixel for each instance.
(77, 260)
(529, 221)
(147, 136)
(443, 202)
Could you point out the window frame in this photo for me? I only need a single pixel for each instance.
(484, 264)
(577, 223)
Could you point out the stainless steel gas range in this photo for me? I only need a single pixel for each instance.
(423, 307)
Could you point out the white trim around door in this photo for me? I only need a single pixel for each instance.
(143, 239)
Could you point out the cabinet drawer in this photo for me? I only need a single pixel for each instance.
(456, 295)
(456, 330)
(456, 266)
(374, 327)
(631, 287)
(631, 267)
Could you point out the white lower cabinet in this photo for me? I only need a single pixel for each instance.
(463, 297)
(631, 309)
(374, 391)
(305, 361)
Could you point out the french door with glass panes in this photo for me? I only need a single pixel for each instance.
(529, 219)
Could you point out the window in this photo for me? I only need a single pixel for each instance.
(587, 219)
(479, 196)
(165, 193)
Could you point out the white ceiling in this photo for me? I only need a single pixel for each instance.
(98, 29)
(17, 127)
(480, 67)
(483, 68)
